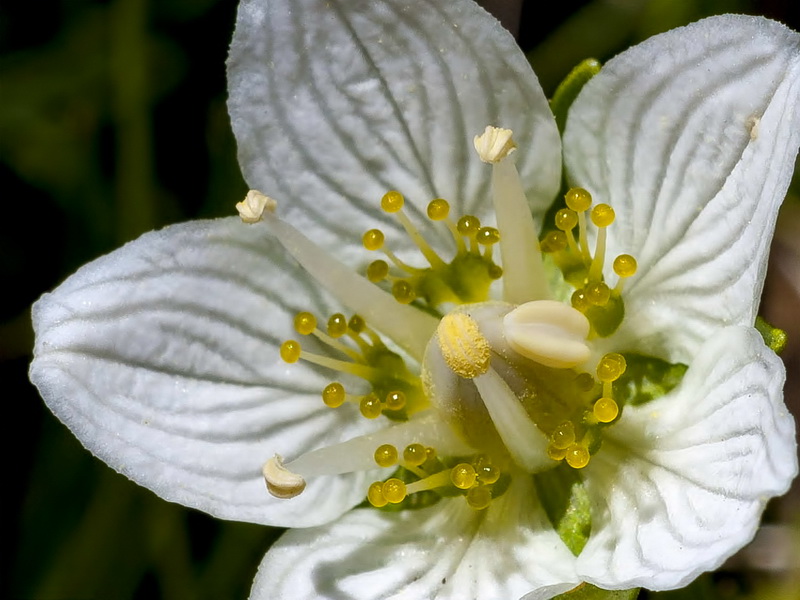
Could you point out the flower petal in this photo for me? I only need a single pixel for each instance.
(681, 482)
(447, 551)
(162, 359)
(692, 137)
(334, 103)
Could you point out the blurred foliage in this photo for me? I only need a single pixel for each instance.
(113, 122)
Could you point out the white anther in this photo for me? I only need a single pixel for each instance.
(252, 208)
(548, 332)
(281, 482)
(494, 144)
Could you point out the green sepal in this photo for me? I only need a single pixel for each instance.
(774, 338)
(587, 591)
(568, 90)
(566, 503)
(646, 378)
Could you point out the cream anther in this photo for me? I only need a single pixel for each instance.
(463, 347)
(549, 332)
(281, 482)
(252, 208)
(494, 144)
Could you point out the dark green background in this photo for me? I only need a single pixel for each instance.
(113, 122)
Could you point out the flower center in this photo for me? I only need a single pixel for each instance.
(475, 391)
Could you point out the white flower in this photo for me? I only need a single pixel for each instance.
(163, 357)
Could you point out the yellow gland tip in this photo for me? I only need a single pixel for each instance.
(479, 497)
(554, 241)
(333, 395)
(385, 455)
(463, 346)
(305, 323)
(584, 381)
(563, 436)
(611, 367)
(375, 495)
(373, 239)
(598, 293)
(463, 476)
(395, 400)
(337, 325)
(468, 225)
(290, 351)
(625, 265)
(377, 271)
(556, 453)
(577, 456)
(605, 410)
(392, 201)
(602, 215)
(438, 209)
(370, 407)
(487, 474)
(488, 236)
(394, 490)
(356, 324)
(414, 455)
(566, 219)
(403, 292)
(578, 199)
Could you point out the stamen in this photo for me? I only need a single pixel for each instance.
(254, 205)
(548, 332)
(281, 482)
(519, 245)
(524, 441)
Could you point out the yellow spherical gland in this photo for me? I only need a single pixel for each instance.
(438, 209)
(488, 236)
(495, 271)
(598, 293)
(395, 400)
(337, 325)
(554, 241)
(373, 239)
(386, 455)
(611, 367)
(305, 323)
(479, 497)
(377, 271)
(394, 490)
(290, 351)
(566, 219)
(578, 199)
(370, 407)
(625, 265)
(579, 301)
(392, 201)
(463, 476)
(415, 455)
(577, 456)
(468, 225)
(605, 410)
(375, 495)
(333, 395)
(603, 215)
(556, 453)
(403, 292)
(563, 436)
(584, 381)
(356, 324)
(487, 474)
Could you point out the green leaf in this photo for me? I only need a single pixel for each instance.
(566, 503)
(774, 338)
(568, 89)
(646, 378)
(587, 591)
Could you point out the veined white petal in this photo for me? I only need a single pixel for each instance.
(681, 482)
(333, 103)
(162, 358)
(445, 552)
(691, 137)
